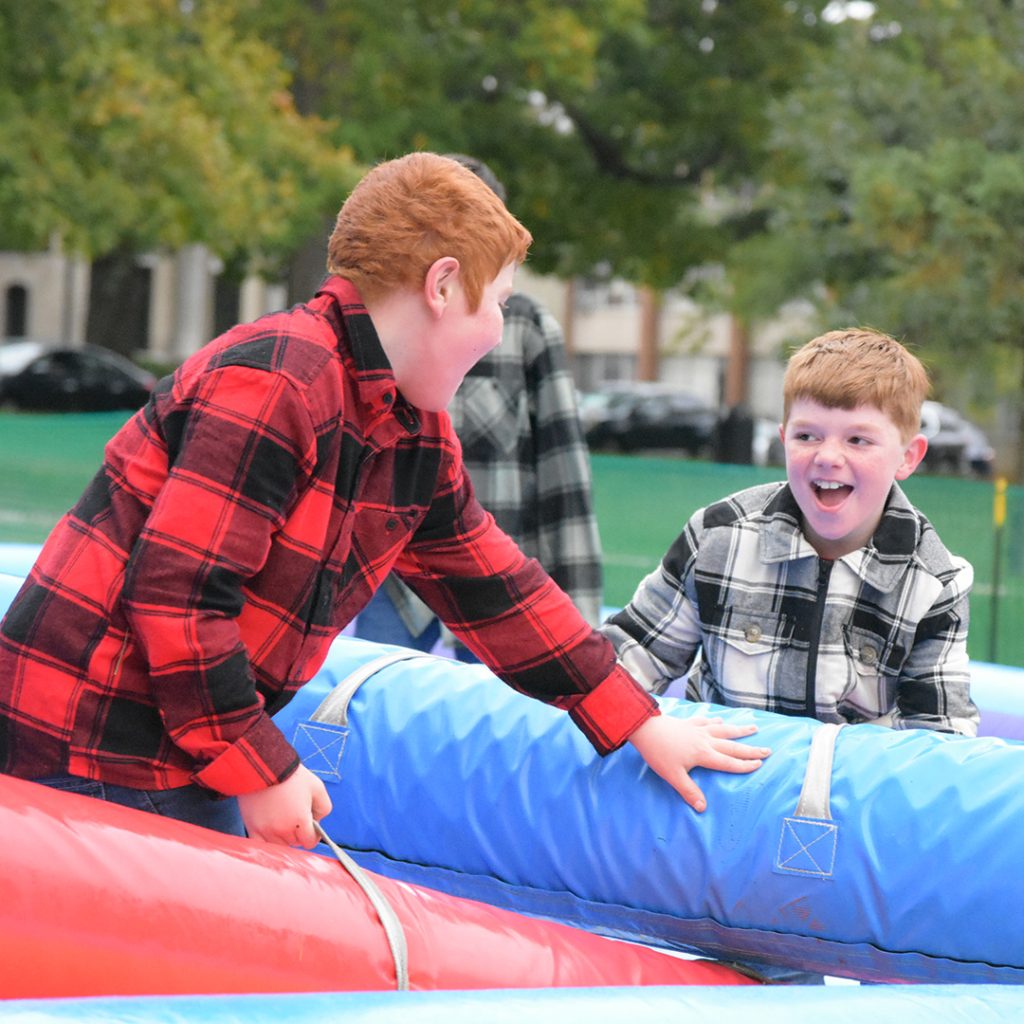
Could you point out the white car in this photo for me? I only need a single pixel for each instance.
(955, 445)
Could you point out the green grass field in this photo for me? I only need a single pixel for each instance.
(642, 504)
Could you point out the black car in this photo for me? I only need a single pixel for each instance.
(45, 377)
(645, 416)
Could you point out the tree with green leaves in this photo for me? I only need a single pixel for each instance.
(126, 126)
(897, 195)
(609, 120)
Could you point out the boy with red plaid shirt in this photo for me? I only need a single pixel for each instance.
(249, 511)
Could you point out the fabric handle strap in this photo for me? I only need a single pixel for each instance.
(334, 707)
(333, 710)
(816, 790)
(385, 912)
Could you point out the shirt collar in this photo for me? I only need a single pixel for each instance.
(881, 563)
(360, 348)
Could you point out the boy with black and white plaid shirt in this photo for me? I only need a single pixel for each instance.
(830, 595)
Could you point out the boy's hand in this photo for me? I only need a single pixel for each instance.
(285, 813)
(672, 746)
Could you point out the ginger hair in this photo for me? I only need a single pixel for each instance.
(859, 366)
(407, 213)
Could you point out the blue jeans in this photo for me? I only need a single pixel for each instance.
(380, 622)
(464, 654)
(186, 803)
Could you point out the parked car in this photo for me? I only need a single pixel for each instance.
(46, 377)
(768, 449)
(647, 415)
(955, 445)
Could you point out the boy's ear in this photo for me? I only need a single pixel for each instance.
(437, 285)
(912, 456)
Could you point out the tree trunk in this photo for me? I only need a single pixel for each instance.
(647, 362)
(737, 370)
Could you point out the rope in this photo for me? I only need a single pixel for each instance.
(334, 710)
(385, 912)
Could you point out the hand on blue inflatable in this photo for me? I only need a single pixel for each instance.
(672, 746)
(285, 813)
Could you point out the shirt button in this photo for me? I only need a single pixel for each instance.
(868, 654)
(752, 634)
(391, 524)
(388, 397)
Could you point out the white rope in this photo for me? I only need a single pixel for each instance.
(385, 912)
(334, 710)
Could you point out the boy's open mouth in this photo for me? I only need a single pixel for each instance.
(829, 493)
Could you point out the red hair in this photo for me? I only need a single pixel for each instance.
(859, 366)
(407, 213)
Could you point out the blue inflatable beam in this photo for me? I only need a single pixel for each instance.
(898, 861)
(998, 690)
(452, 781)
(908, 1004)
(18, 559)
(9, 586)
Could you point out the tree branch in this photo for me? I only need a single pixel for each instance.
(612, 161)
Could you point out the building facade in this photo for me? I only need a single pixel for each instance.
(168, 305)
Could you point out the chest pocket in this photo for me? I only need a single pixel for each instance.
(749, 631)
(740, 644)
(871, 653)
(875, 661)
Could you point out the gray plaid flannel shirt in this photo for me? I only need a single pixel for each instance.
(523, 448)
(880, 635)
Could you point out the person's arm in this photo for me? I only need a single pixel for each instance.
(528, 631)
(658, 633)
(513, 616)
(243, 450)
(656, 636)
(933, 691)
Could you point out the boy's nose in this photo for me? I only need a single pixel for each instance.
(829, 453)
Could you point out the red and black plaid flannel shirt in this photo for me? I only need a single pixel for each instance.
(238, 523)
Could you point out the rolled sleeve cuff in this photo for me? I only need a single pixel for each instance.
(262, 757)
(613, 711)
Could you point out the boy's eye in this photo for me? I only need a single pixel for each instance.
(858, 440)
(803, 435)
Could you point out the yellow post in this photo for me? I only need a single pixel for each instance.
(998, 521)
(999, 502)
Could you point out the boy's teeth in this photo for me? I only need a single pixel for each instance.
(828, 485)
